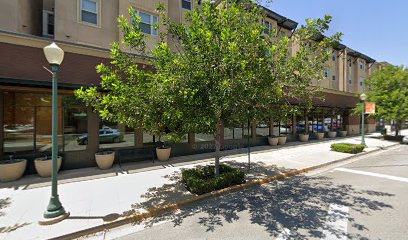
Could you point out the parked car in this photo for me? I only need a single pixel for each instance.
(106, 135)
(404, 140)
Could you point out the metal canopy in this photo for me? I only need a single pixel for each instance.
(357, 54)
(282, 21)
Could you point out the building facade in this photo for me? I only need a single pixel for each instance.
(85, 29)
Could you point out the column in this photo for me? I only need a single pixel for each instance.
(139, 137)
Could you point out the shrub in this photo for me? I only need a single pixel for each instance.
(202, 180)
(347, 147)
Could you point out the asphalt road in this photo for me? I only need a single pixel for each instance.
(366, 199)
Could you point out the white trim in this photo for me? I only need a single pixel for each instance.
(379, 175)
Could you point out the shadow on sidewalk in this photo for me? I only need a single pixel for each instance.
(4, 203)
(300, 205)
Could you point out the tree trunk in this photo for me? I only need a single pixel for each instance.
(217, 139)
(270, 126)
(397, 127)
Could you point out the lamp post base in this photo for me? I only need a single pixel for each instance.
(54, 208)
(50, 221)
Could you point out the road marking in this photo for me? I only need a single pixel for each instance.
(336, 224)
(401, 179)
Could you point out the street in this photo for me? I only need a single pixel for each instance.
(366, 199)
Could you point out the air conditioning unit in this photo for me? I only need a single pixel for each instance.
(48, 23)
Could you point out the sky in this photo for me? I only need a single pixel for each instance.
(376, 28)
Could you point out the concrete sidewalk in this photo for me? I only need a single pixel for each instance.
(103, 196)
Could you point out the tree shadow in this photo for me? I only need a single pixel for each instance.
(176, 191)
(4, 203)
(300, 205)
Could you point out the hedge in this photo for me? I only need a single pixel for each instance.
(347, 147)
(202, 179)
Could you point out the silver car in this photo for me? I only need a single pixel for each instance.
(404, 140)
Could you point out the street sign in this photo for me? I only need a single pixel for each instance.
(369, 108)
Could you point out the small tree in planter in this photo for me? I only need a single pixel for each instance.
(12, 169)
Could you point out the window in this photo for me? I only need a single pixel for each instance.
(326, 73)
(89, 11)
(48, 23)
(334, 56)
(350, 63)
(148, 23)
(268, 27)
(333, 78)
(186, 4)
(350, 80)
(75, 128)
(361, 81)
(362, 65)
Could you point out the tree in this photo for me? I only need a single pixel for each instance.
(219, 68)
(388, 88)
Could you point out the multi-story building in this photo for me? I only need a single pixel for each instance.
(84, 29)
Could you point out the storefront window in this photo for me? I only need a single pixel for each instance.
(75, 129)
(112, 135)
(201, 137)
(28, 123)
(233, 133)
(262, 129)
(18, 129)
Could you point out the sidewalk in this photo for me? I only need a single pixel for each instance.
(93, 196)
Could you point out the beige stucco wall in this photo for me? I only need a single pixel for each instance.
(69, 28)
(9, 13)
(22, 16)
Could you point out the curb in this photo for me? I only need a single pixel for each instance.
(156, 211)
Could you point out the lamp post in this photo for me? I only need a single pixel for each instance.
(363, 97)
(55, 211)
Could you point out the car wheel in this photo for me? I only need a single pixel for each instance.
(116, 140)
(85, 142)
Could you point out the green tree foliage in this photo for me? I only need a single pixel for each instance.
(388, 88)
(221, 68)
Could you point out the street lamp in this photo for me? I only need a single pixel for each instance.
(363, 97)
(55, 211)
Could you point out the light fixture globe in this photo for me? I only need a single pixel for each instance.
(54, 54)
(363, 97)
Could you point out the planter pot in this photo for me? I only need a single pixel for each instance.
(11, 170)
(332, 134)
(281, 140)
(163, 154)
(44, 166)
(104, 160)
(343, 133)
(273, 141)
(320, 135)
(304, 137)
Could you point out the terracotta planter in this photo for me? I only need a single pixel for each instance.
(281, 140)
(273, 141)
(44, 166)
(320, 135)
(11, 170)
(332, 134)
(163, 154)
(104, 160)
(343, 133)
(304, 137)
